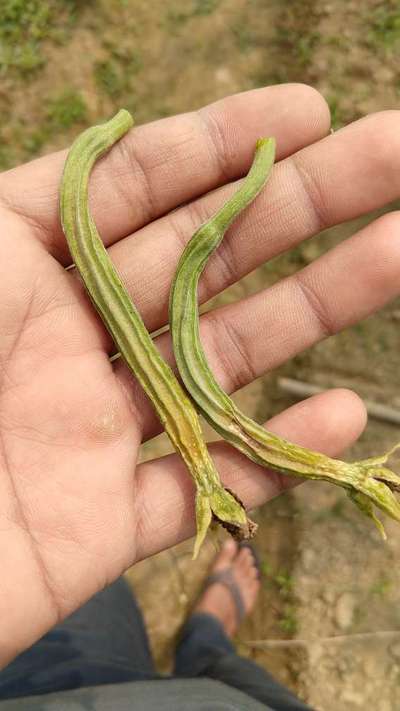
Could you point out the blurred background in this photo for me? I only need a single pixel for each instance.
(66, 64)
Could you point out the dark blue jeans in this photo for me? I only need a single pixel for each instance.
(105, 642)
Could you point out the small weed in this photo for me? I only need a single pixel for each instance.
(385, 26)
(32, 143)
(108, 78)
(113, 76)
(244, 38)
(66, 110)
(284, 581)
(24, 25)
(175, 18)
(336, 41)
(333, 104)
(62, 112)
(204, 7)
(301, 46)
(381, 587)
(266, 569)
(305, 47)
(288, 621)
(6, 158)
(279, 578)
(130, 61)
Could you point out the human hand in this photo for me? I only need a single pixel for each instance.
(75, 509)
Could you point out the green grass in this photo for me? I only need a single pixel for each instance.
(288, 620)
(305, 46)
(34, 141)
(284, 581)
(25, 25)
(338, 42)
(114, 75)
(6, 156)
(176, 18)
(337, 121)
(280, 579)
(384, 24)
(109, 78)
(300, 45)
(244, 37)
(62, 111)
(292, 45)
(266, 569)
(65, 110)
(204, 7)
(381, 587)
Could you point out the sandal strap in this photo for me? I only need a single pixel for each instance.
(226, 578)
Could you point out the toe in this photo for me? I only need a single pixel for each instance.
(226, 555)
(253, 573)
(245, 560)
(247, 563)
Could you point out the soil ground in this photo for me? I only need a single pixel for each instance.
(327, 622)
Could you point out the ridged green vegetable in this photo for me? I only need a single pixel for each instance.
(368, 482)
(129, 333)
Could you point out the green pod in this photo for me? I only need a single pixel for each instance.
(368, 482)
(113, 303)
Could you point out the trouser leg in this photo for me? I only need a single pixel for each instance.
(103, 642)
(205, 650)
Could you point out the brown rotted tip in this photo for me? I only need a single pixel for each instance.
(240, 532)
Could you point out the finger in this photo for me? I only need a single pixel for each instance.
(245, 339)
(349, 283)
(165, 496)
(161, 165)
(337, 179)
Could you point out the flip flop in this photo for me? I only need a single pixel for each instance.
(225, 577)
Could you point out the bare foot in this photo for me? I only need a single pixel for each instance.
(217, 600)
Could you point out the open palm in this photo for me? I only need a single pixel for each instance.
(75, 510)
